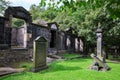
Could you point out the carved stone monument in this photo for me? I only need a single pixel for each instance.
(98, 64)
(39, 54)
(99, 44)
(99, 60)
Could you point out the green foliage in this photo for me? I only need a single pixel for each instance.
(17, 22)
(83, 16)
(3, 5)
(114, 8)
(34, 11)
(43, 3)
(70, 55)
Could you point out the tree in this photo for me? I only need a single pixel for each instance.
(3, 5)
(40, 12)
(113, 6)
(84, 15)
(35, 12)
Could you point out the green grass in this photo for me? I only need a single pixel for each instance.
(76, 69)
(69, 55)
(26, 65)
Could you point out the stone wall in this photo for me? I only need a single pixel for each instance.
(18, 35)
(10, 56)
(38, 30)
(2, 20)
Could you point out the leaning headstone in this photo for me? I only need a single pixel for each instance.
(39, 54)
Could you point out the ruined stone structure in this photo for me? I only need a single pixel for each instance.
(4, 33)
(99, 60)
(73, 42)
(23, 37)
(10, 36)
(20, 13)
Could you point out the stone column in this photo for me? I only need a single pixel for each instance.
(99, 44)
(25, 35)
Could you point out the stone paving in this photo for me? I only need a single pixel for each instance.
(8, 70)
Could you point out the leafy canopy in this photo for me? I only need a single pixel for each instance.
(83, 16)
(3, 5)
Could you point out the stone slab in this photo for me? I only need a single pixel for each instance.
(100, 62)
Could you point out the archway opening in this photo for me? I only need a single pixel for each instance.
(19, 33)
(53, 39)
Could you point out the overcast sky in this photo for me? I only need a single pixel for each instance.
(25, 3)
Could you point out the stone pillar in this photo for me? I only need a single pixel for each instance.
(68, 43)
(25, 35)
(76, 44)
(99, 44)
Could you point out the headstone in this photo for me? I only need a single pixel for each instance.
(39, 54)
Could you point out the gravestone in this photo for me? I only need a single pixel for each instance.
(39, 54)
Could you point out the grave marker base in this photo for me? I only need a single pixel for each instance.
(39, 68)
(98, 64)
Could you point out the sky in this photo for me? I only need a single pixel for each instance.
(24, 3)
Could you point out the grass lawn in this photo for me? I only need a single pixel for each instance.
(76, 69)
(70, 55)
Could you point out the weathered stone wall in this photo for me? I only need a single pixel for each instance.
(76, 45)
(2, 21)
(70, 43)
(37, 30)
(9, 56)
(14, 36)
(81, 45)
(61, 41)
(5, 33)
(18, 35)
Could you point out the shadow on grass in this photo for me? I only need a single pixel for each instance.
(54, 67)
(113, 61)
(57, 67)
(78, 60)
(51, 68)
(14, 74)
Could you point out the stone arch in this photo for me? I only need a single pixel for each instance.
(20, 13)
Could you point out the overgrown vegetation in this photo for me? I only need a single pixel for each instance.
(17, 22)
(83, 16)
(3, 5)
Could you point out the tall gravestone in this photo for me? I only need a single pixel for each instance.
(39, 54)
